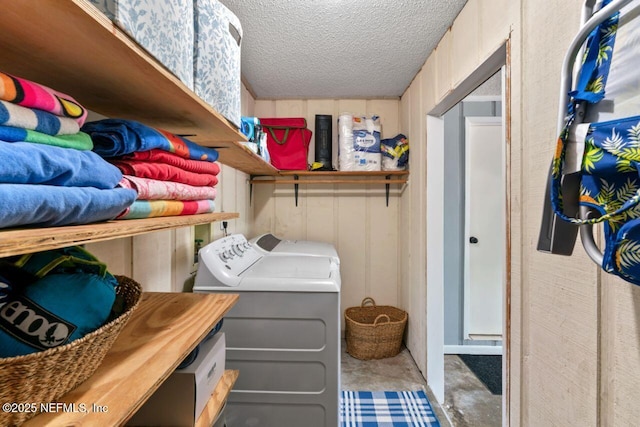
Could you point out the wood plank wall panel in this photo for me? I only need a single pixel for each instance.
(443, 80)
(427, 94)
(353, 218)
(465, 44)
(482, 27)
(511, 408)
(621, 352)
(418, 255)
(382, 241)
(497, 18)
(243, 204)
(233, 187)
(115, 253)
(560, 372)
(560, 295)
(352, 246)
(183, 258)
(153, 262)
(404, 227)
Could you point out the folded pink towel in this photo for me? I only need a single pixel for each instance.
(33, 95)
(153, 189)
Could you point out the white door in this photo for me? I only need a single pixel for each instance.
(484, 228)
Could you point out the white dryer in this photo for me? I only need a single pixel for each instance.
(283, 334)
(268, 244)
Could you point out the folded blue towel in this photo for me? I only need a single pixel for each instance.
(77, 141)
(27, 163)
(117, 137)
(49, 205)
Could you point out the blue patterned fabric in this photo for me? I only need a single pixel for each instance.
(610, 182)
(610, 185)
(386, 409)
(610, 170)
(163, 27)
(597, 61)
(622, 254)
(217, 58)
(590, 88)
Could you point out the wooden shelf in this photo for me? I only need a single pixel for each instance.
(25, 240)
(343, 173)
(242, 158)
(160, 334)
(72, 47)
(329, 177)
(218, 398)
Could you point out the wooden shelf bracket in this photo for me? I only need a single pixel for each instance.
(326, 177)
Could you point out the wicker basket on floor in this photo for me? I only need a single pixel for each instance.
(45, 376)
(374, 331)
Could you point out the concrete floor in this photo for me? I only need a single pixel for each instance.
(468, 403)
(467, 400)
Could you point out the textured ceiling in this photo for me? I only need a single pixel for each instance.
(338, 48)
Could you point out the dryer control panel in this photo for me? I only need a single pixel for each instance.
(223, 261)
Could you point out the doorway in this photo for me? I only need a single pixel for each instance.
(465, 316)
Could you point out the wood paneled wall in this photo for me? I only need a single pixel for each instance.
(574, 330)
(479, 30)
(353, 217)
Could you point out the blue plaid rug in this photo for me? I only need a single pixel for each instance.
(386, 409)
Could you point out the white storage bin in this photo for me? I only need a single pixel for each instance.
(218, 36)
(163, 27)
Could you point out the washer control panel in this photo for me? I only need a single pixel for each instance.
(223, 261)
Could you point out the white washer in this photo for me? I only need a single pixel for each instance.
(268, 244)
(283, 334)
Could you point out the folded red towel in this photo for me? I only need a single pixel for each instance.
(164, 172)
(162, 156)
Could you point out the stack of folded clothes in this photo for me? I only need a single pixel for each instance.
(172, 175)
(48, 176)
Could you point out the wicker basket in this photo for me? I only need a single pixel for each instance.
(374, 331)
(45, 376)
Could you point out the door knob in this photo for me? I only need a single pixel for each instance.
(473, 239)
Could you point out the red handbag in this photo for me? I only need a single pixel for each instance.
(287, 141)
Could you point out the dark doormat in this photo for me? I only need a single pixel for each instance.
(488, 369)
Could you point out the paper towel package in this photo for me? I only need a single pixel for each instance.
(180, 400)
(359, 143)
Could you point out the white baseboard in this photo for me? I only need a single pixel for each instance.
(472, 349)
